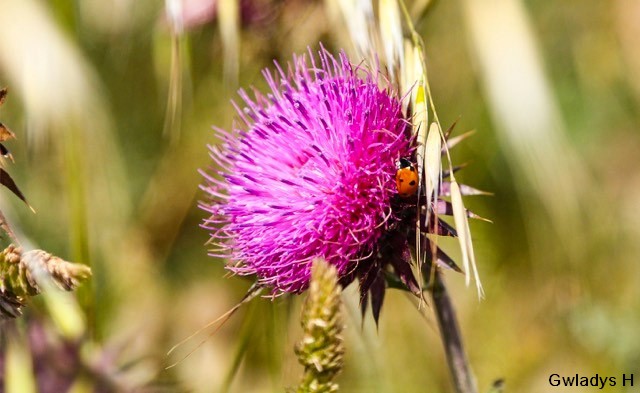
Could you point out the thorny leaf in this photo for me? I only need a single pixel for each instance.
(364, 302)
(5, 133)
(5, 152)
(7, 181)
(377, 290)
(447, 173)
(446, 208)
(403, 270)
(367, 280)
(442, 228)
(447, 134)
(372, 285)
(455, 140)
(400, 261)
(443, 260)
(445, 190)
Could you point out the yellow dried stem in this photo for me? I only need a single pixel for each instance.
(174, 12)
(358, 17)
(433, 167)
(464, 237)
(391, 35)
(229, 23)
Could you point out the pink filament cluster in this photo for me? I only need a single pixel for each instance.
(310, 173)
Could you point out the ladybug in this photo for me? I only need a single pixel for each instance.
(406, 178)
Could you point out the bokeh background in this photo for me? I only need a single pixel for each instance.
(113, 102)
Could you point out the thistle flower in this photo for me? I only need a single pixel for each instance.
(310, 173)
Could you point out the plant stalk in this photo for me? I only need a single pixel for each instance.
(459, 367)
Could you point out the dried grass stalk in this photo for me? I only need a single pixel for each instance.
(18, 277)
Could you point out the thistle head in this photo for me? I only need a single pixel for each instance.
(315, 168)
(310, 172)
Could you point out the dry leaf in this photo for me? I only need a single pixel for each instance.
(432, 163)
(464, 237)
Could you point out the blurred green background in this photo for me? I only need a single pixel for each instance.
(113, 113)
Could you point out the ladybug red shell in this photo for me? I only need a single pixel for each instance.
(406, 178)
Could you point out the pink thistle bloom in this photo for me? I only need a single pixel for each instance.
(310, 173)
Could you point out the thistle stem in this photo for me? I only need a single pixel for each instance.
(461, 372)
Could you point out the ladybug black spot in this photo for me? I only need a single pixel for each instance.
(401, 180)
(412, 183)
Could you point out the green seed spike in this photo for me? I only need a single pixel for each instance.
(321, 349)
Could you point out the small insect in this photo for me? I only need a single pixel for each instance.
(406, 178)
